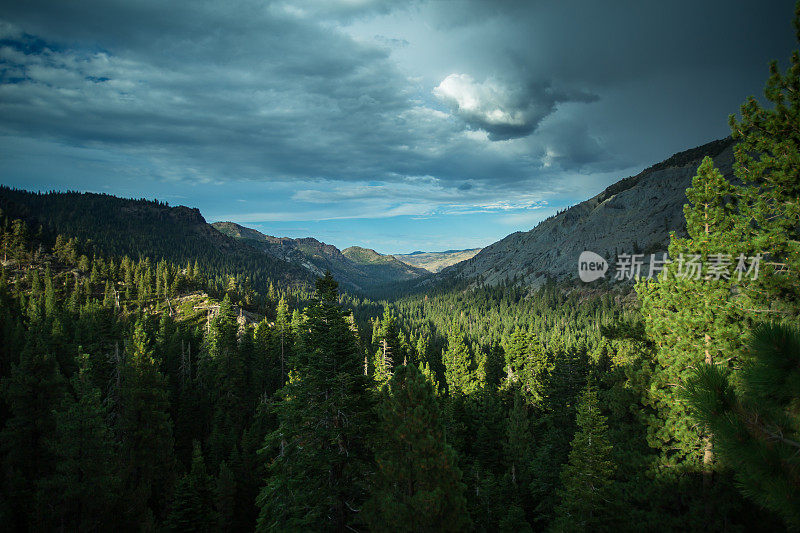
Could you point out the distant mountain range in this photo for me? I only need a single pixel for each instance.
(147, 228)
(436, 261)
(356, 267)
(634, 215)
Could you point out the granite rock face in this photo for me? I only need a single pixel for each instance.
(635, 215)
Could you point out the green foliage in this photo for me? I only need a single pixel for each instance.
(34, 390)
(528, 365)
(317, 476)
(192, 506)
(145, 427)
(459, 363)
(692, 317)
(768, 163)
(418, 485)
(754, 418)
(117, 372)
(586, 498)
(388, 348)
(85, 485)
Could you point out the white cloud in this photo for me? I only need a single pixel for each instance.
(488, 102)
(503, 110)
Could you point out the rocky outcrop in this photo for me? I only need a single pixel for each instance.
(635, 215)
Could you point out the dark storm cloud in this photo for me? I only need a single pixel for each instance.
(692, 62)
(517, 95)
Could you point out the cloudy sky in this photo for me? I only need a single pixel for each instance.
(394, 125)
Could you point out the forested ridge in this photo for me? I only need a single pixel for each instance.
(159, 387)
(145, 228)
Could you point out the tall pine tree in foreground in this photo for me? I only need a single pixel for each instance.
(691, 317)
(768, 163)
(418, 485)
(756, 423)
(317, 478)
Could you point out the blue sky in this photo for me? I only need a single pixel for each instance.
(398, 126)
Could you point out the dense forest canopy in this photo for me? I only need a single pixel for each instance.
(196, 385)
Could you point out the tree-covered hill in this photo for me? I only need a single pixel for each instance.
(384, 267)
(145, 228)
(359, 269)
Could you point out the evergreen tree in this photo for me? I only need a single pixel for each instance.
(768, 163)
(587, 478)
(459, 365)
(755, 422)
(528, 365)
(388, 348)
(33, 391)
(85, 484)
(282, 325)
(192, 508)
(418, 485)
(228, 383)
(518, 452)
(691, 317)
(317, 478)
(145, 428)
(226, 497)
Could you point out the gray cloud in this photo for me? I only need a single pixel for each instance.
(466, 103)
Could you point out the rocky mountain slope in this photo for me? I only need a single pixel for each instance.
(436, 261)
(635, 215)
(358, 268)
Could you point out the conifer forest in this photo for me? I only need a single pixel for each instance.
(159, 375)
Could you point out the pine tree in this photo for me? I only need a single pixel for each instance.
(418, 485)
(755, 422)
(691, 317)
(517, 447)
(192, 508)
(528, 365)
(85, 485)
(388, 349)
(228, 383)
(282, 325)
(226, 497)
(146, 428)
(768, 163)
(33, 391)
(459, 365)
(265, 374)
(587, 478)
(317, 478)
(494, 363)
